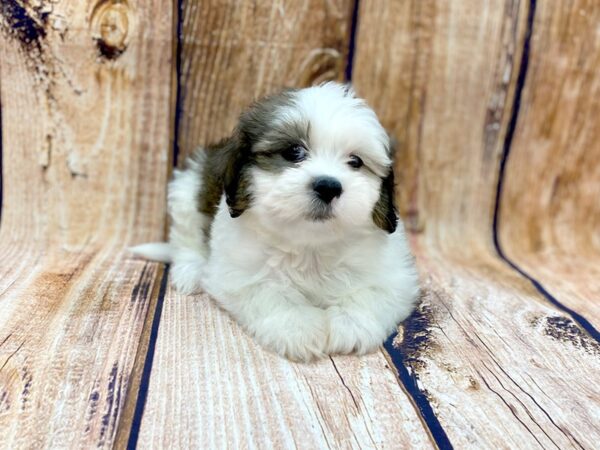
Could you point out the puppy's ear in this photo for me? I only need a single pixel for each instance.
(385, 215)
(384, 212)
(236, 177)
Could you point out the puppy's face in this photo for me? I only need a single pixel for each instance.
(311, 164)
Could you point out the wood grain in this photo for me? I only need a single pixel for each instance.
(86, 122)
(233, 52)
(550, 213)
(441, 76)
(85, 90)
(212, 386)
(499, 364)
(501, 367)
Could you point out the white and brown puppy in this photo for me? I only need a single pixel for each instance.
(290, 225)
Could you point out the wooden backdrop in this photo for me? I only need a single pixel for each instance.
(495, 106)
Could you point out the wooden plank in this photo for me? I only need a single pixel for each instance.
(501, 368)
(236, 51)
(212, 386)
(441, 76)
(499, 365)
(69, 337)
(550, 212)
(85, 90)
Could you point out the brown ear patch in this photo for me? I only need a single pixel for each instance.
(226, 169)
(384, 212)
(236, 176)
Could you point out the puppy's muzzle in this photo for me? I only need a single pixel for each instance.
(327, 188)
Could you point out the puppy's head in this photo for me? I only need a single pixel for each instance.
(311, 164)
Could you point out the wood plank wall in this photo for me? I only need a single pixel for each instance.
(494, 107)
(551, 227)
(233, 52)
(263, 47)
(86, 97)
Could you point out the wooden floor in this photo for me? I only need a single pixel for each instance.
(495, 107)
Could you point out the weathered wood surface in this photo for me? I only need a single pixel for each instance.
(233, 52)
(499, 364)
(85, 89)
(86, 121)
(212, 386)
(550, 216)
(501, 367)
(441, 76)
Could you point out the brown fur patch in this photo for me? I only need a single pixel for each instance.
(224, 169)
(384, 212)
(226, 165)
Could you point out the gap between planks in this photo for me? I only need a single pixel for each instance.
(582, 321)
(135, 399)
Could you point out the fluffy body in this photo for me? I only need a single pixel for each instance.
(305, 278)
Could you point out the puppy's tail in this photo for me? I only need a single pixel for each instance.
(155, 251)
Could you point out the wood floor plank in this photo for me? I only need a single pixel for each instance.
(212, 386)
(501, 367)
(86, 90)
(569, 279)
(69, 335)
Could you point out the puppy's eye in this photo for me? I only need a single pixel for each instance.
(295, 153)
(355, 162)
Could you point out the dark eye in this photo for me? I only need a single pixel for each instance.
(355, 162)
(295, 153)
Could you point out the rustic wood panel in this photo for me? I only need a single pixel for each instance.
(499, 365)
(233, 52)
(550, 213)
(501, 368)
(441, 76)
(69, 338)
(85, 90)
(212, 386)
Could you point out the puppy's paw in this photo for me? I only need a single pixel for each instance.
(352, 332)
(299, 334)
(186, 277)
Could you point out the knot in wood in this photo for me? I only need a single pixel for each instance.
(323, 64)
(111, 24)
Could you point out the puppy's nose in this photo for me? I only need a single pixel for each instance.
(327, 188)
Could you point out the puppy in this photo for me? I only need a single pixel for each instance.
(290, 225)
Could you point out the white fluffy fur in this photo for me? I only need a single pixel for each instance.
(302, 288)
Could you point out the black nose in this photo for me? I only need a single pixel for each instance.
(327, 188)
